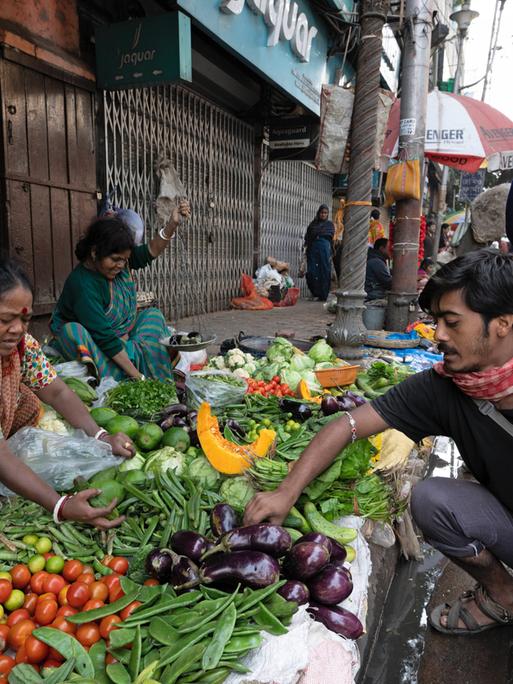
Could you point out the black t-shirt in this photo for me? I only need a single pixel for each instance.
(427, 404)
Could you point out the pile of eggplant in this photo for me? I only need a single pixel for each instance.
(256, 556)
(347, 402)
(178, 415)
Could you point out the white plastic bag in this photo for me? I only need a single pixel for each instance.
(199, 389)
(187, 359)
(73, 369)
(59, 459)
(106, 384)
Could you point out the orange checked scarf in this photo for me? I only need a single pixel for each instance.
(492, 384)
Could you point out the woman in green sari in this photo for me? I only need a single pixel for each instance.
(96, 319)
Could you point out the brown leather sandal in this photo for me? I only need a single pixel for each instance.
(457, 612)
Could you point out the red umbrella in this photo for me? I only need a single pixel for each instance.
(460, 132)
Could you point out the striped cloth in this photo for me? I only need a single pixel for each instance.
(492, 384)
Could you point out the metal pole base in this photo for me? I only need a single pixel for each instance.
(347, 334)
(401, 310)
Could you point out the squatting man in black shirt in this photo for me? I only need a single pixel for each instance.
(468, 397)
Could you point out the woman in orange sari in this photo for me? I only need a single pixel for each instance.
(27, 377)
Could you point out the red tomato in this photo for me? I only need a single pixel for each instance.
(6, 664)
(110, 660)
(4, 634)
(20, 632)
(55, 655)
(49, 596)
(151, 582)
(36, 650)
(88, 634)
(48, 555)
(119, 565)
(108, 624)
(66, 611)
(4, 680)
(63, 625)
(21, 655)
(72, 569)
(99, 591)
(92, 604)
(106, 560)
(5, 590)
(110, 580)
(62, 597)
(17, 615)
(20, 576)
(129, 609)
(50, 662)
(86, 578)
(53, 583)
(46, 611)
(115, 593)
(31, 602)
(88, 570)
(36, 581)
(78, 594)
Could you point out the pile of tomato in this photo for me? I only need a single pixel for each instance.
(46, 597)
(268, 389)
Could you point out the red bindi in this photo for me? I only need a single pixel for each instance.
(24, 311)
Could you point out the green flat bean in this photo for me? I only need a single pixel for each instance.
(222, 604)
(68, 647)
(222, 634)
(121, 654)
(259, 595)
(242, 644)
(134, 664)
(61, 673)
(269, 622)
(166, 604)
(104, 611)
(97, 654)
(234, 666)
(121, 637)
(118, 674)
(24, 674)
(171, 653)
(184, 663)
(163, 632)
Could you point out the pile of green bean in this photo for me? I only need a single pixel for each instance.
(200, 636)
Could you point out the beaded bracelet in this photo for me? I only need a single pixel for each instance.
(352, 423)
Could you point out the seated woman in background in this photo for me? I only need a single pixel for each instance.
(96, 319)
(426, 270)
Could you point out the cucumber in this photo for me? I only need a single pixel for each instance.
(343, 535)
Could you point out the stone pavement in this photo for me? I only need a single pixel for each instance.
(305, 319)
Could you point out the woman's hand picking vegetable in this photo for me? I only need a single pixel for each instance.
(120, 444)
(78, 508)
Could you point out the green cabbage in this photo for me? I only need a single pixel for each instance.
(301, 362)
(166, 458)
(238, 492)
(280, 350)
(291, 377)
(135, 463)
(321, 351)
(201, 472)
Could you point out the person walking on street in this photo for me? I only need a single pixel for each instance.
(318, 246)
(378, 279)
(468, 397)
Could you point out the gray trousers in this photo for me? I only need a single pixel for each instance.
(461, 518)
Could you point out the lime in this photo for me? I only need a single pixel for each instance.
(36, 563)
(101, 415)
(148, 437)
(30, 539)
(15, 600)
(43, 545)
(177, 438)
(129, 426)
(54, 564)
(110, 490)
(6, 575)
(103, 476)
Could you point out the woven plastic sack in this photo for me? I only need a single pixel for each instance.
(59, 459)
(291, 297)
(403, 181)
(218, 394)
(251, 300)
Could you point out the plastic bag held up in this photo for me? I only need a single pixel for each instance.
(171, 190)
(59, 459)
(199, 389)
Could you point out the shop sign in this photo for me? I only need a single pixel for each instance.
(293, 138)
(283, 40)
(472, 185)
(144, 52)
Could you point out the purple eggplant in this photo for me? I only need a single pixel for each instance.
(329, 406)
(345, 404)
(184, 573)
(271, 539)
(236, 428)
(318, 538)
(330, 586)
(190, 544)
(356, 398)
(339, 620)
(299, 410)
(305, 560)
(192, 417)
(175, 409)
(293, 590)
(159, 563)
(222, 519)
(338, 552)
(252, 569)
